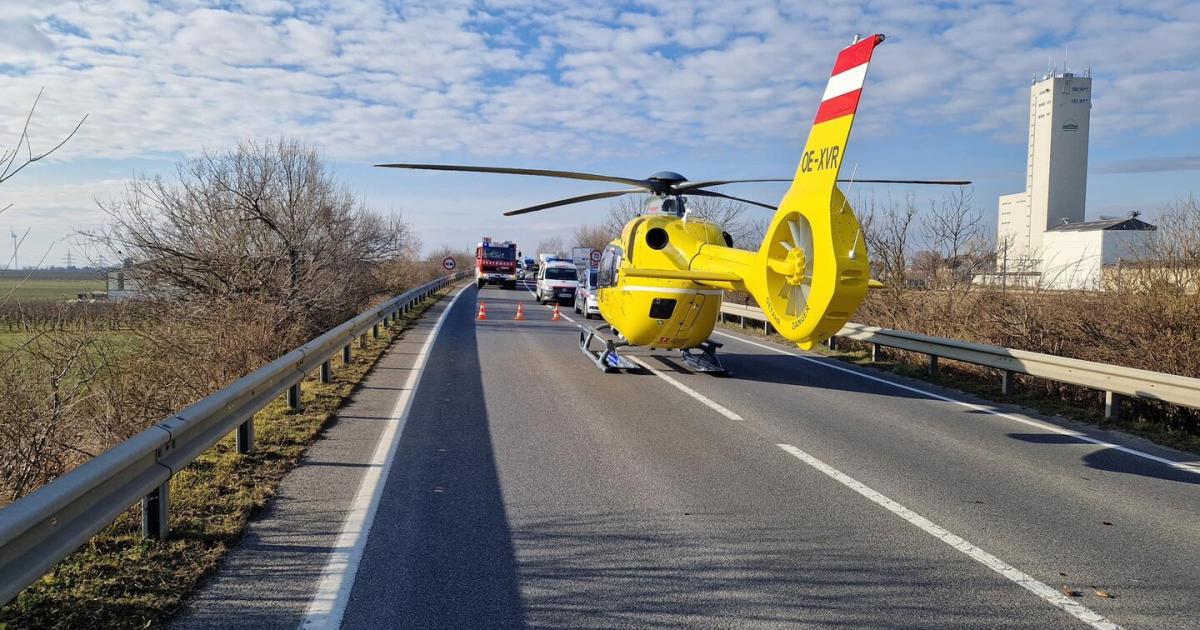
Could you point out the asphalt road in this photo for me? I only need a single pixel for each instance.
(530, 490)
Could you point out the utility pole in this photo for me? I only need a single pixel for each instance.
(14, 240)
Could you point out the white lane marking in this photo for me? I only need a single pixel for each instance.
(328, 604)
(708, 402)
(1026, 581)
(989, 410)
(975, 553)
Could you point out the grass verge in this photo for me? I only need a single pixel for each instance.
(118, 580)
(1143, 419)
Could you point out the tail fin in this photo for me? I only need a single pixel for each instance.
(811, 272)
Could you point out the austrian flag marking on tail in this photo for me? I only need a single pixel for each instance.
(846, 81)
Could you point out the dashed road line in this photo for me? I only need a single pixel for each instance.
(1184, 466)
(988, 560)
(708, 402)
(1026, 581)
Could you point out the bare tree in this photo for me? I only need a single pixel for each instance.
(593, 236)
(553, 246)
(953, 230)
(888, 229)
(730, 215)
(1170, 259)
(262, 220)
(11, 159)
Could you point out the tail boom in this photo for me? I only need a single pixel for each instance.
(811, 272)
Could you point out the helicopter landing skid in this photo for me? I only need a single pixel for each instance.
(606, 358)
(705, 360)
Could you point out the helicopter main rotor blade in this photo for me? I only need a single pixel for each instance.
(930, 182)
(571, 200)
(709, 193)
(640, 183)
(690, 186)
(721, 182)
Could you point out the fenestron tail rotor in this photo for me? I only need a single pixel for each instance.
(795, 287)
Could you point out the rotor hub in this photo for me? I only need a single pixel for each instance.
(796, 261)
(665, 181)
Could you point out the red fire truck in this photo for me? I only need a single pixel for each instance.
(496, 263)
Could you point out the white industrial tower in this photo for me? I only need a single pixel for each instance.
(1056, 174)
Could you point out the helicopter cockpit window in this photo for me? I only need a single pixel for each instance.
(610, 263)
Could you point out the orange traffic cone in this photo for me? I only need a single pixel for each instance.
(557, 315)
(482, 312)
(520, 312)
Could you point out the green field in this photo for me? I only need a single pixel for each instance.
(48, 288)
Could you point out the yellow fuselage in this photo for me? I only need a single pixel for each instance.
(657, 311)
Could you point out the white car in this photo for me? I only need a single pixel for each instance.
(556, 282)
(586, 300)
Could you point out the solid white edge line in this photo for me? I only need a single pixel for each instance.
(710, 403)
(988, 410)
(328, 604)
(1026, 581)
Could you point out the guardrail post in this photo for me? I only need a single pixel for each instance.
(245, 436)
(832, 343)
(326, 371)
(346, 354)
(1112, 405)
(1007, 382)
(876, 352)
(156, 512)
(933, 365)
(293, 398)
(375, 331)
(767, 328)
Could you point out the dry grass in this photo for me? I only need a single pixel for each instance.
(119, 580)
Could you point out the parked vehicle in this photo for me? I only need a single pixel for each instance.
(556, 282)
(585, 295)
(496, 263)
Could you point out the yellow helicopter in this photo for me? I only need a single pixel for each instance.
(661, 283)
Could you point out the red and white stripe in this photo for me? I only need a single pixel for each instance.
(846, 81)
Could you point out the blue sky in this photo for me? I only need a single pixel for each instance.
(708, 88)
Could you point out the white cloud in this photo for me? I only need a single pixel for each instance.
(575, 78)
(563, 81)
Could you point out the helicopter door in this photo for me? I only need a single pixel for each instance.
(694, 307)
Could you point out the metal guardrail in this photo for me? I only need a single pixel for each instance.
(42, 528)
(1114, 380)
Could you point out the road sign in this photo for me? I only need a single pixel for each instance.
(449, 263)
(595, 256)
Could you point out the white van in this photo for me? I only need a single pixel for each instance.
(556, 282)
